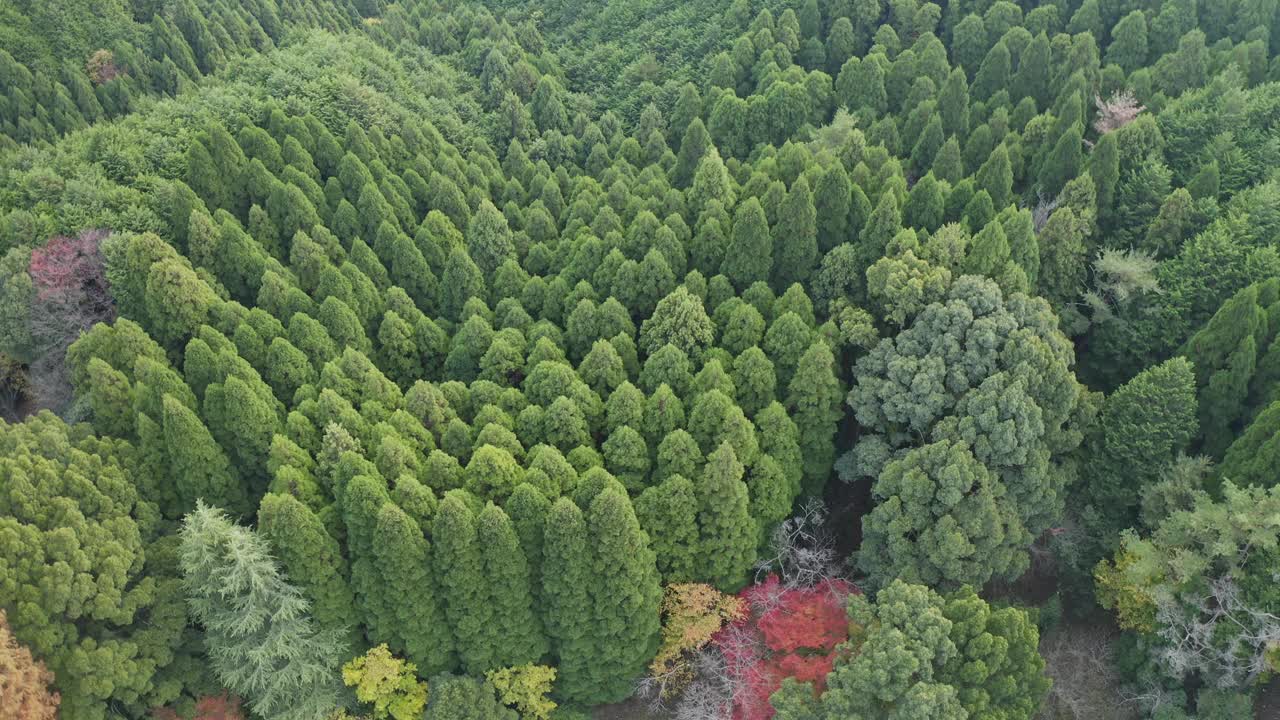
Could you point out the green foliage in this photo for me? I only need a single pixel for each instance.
(108, 534)
(458, 697)
(943, 520)
(260, 637)
(434, 275)
(916, 652)
(1198, 585)
(311, 560)
(1001, 384)
(526, 687)
(388, 683)
(727, 535)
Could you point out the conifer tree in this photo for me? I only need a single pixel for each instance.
(749, 256)
(996, 177)
(814, 398)
(198, 465)
(528, 509)
(1143, 426)
(993, 74)
(1034, 71)
(953, 104)
(1104, 168)
(948, 164)
(831, 199)
(795, 236)
(260, 638)
(312, 562)
(515, 634)
(882, 225)
(408, 578)
(727, 534)
(1224, 353)
(361, 499)
(489, 239)
(693, 146)
(668, 513)
(1062, 163)
(462, 280)
(626, 597)
(463, 584)
(567, 574)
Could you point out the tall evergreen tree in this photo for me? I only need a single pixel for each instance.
(515, 633)
(261, 640)
(749, 256)
(795, 237)
(626, 597)
(814, 398)
(198, 465)
(567, 574)
(407, 577)
(312, 561)
(726, 531)
(463, 584)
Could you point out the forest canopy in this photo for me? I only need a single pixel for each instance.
(728, 359)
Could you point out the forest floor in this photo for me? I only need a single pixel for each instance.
(1267, 706)
(633, 709)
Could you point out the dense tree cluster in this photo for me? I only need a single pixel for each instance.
(430, 346)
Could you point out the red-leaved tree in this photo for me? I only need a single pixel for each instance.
(210, 707)
(71, 295)
(791, 632)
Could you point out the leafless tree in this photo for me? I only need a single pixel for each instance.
(802, 551)
(710, 695)
(1085, 685)
(1043, 210)
(1217, 634)
(1116, 111)
(71, 295)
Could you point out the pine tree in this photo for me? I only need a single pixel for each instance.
(1104, 168)
(953, 104)
(261, 641)
(884, 223)
(1062, 163)
(996, 177)
(993, 74)
(407, 577)
(749, 256)
(528, 509)
(1224, 353)
(693, 146)
(1034, 70)
(489, 239)
(361, 498)
(925, 207)
(727, 534)
(312, 562)
(948, 164)
(462, 280)
(1143, 427)
(668, 513)
(831, 200)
